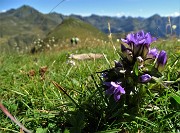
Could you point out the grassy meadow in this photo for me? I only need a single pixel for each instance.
(48, 95)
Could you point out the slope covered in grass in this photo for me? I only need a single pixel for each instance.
(72, 27)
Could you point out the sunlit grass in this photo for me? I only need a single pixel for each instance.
(41, 106)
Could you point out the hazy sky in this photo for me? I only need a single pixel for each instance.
(143, 8)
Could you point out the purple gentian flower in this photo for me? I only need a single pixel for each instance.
(153, 53)
(139, 38)
(114, 88)
(139, 42)
(145, 78)
(161, 60)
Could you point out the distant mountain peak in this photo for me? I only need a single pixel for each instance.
(155, 16)
(25, 11)
(26, 7)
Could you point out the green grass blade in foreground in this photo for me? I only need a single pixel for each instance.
(61, 89)
(142, 119)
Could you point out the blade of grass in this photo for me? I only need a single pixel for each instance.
(100, 91)
(62, 89)
(142, 119)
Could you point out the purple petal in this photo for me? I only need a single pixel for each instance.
(161, 60)
(153, 53)
(122, 91)
(148, 38)
(145, 78)
(114, 84)
(130, 37)
(141, 33)
(139, 38)
(117, 97)
(115, 89)
(110, 91)
(112, 87)
(142, 41)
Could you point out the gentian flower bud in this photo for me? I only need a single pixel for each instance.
(153, 53)
(145, 78)
(161, 60)
(114, 88)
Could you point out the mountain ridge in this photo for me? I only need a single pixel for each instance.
(25, 23)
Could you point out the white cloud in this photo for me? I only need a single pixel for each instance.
(119, 14)
(2, 11)
(174, 14)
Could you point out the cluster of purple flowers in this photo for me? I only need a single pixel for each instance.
(135, 50)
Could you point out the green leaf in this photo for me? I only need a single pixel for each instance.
(135, 69)
(176, 97)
